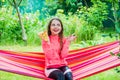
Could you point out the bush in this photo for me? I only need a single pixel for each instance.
(84, 25)
(74, 24)
(10, 30)
(9, 26)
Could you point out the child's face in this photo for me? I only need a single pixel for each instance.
(55, 27)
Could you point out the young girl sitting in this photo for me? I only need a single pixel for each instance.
(56, 49)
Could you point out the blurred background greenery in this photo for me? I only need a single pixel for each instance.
(85, 18)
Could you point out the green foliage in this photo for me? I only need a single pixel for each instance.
(66, 5)
(49, 8)
(84, 29)
(95, 14)
(9, 26)
(86, 32)
(84, 23)
(32, 25)
(2, 2)
(116, 13)
(74, 24)
(10, 30)
(90, 19)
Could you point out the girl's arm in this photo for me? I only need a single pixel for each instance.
(47, 48)
(66, 43)
(65, 49)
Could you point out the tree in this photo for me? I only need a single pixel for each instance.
(95, 14)
(16, 4)
(116, 13)
(66, 5)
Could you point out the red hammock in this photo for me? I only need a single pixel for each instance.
(83, 62)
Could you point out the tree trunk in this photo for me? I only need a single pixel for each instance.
(116, 18)
(24, 36)
(86, 4)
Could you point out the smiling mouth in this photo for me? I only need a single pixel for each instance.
(56, 30)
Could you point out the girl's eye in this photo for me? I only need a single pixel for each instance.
(58, 24)
(53, 25)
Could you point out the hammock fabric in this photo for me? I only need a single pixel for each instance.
(84, 62)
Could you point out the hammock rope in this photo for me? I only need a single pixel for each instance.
(83, 62)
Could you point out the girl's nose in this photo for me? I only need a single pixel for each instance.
(56, 26)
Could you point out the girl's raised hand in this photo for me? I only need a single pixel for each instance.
(44, 36)
(72, 37)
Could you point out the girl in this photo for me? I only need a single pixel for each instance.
(56, 51)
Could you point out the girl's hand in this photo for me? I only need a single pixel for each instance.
(44, 36)
(71, 38)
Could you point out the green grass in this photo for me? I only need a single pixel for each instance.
(11, 76)
(22, 48)
(107, 75)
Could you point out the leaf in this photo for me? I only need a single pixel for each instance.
(112, 53)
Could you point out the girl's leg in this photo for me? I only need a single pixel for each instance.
(67, 72)
(55, 74)
(68, 76)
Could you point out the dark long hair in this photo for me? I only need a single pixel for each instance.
(60, 34)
